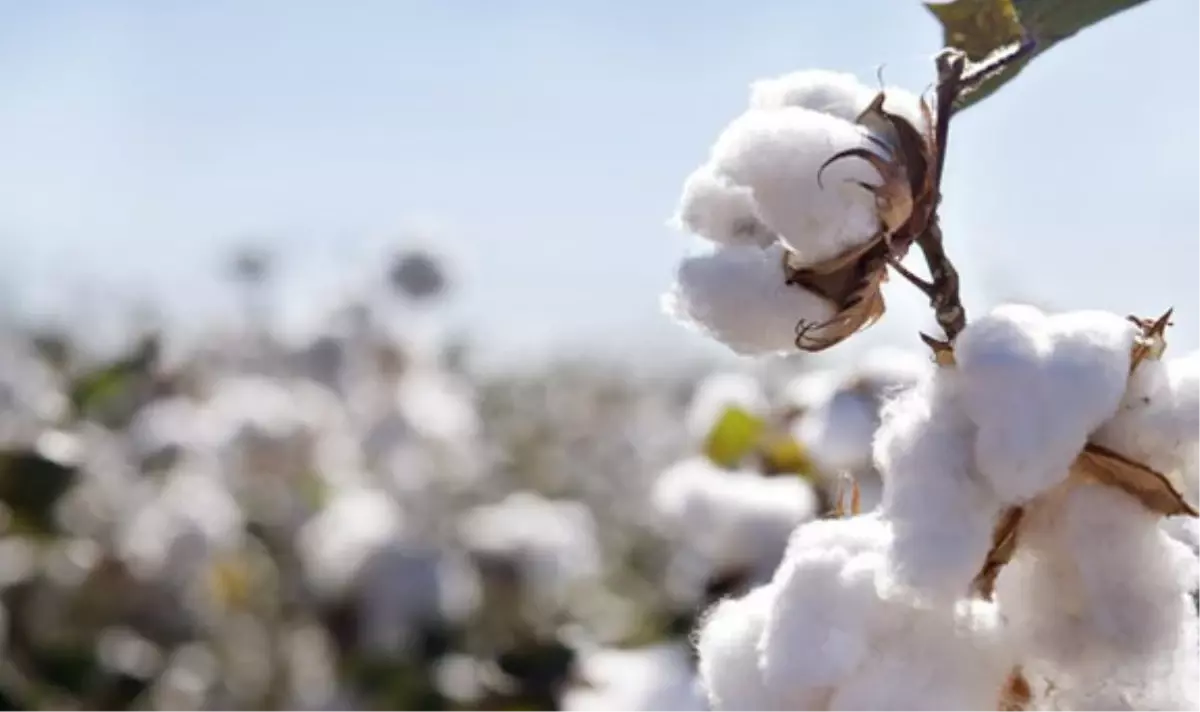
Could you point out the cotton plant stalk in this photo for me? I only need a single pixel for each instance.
(1036, 436)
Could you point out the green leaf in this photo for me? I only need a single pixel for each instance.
(735, 434)
(980, 27)
(111, 393)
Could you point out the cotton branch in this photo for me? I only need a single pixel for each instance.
(957, 76)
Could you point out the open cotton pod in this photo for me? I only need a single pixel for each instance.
(822, 175)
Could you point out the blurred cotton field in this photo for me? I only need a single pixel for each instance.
(357, 520)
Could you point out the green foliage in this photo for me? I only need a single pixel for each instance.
(980, 27)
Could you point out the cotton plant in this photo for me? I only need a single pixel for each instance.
(1025, 551)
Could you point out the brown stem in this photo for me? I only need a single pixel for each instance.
(945, 300)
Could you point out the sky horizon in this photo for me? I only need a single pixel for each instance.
(542, 146)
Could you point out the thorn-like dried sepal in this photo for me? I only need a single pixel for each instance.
(1151, 488)
(1151, 343)
(1004, 545)
(943, 351)
(1016, 694)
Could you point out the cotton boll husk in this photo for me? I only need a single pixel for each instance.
(714, 208)
(941, 511)
(1037, 386)
(719, 391)
(777, 155)
(1097, 600)
(727, 645)
(737, 296)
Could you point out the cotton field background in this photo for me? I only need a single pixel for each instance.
(985, 504)
(361, 522)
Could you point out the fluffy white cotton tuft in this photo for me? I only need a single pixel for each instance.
(737, 295)
(727, 644)
(827, 593)
(716, 209)
(839, 636)
(942, 513)
(1037, 386)
(777, 155)
(839, 94)
(1097, 599)
(1158, 423)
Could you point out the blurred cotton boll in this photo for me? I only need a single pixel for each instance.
(550, 544)
(726, 522)
(655, 677)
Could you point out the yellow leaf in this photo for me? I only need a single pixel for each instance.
(782, 453)
(230, 579)
(977, 27)
(735, 434)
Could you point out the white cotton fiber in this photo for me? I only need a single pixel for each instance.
(932, 659)
(1158, 423)
(653, 677)
(714, 208)
(777, 155)
(1037, 386)
(839, 94)
(727, 643)
(825, 605)
(942, 513)
(1097, 599)
(839, 635)
(737, 295)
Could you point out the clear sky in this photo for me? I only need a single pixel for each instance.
(545, 143)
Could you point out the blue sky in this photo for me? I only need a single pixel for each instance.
(543, 144)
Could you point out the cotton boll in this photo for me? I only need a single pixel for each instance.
(1097, 598)
(933, 660)
(941, 512)
(838, 94)
(1158, 423)
(335, 546)
(825, 605)
(737, 296)
(715, 208)
(1129, 567)
(727, 645)
(1037, 386)
(778, 154)
(838, 434)
(716, 393)
(552, 542)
